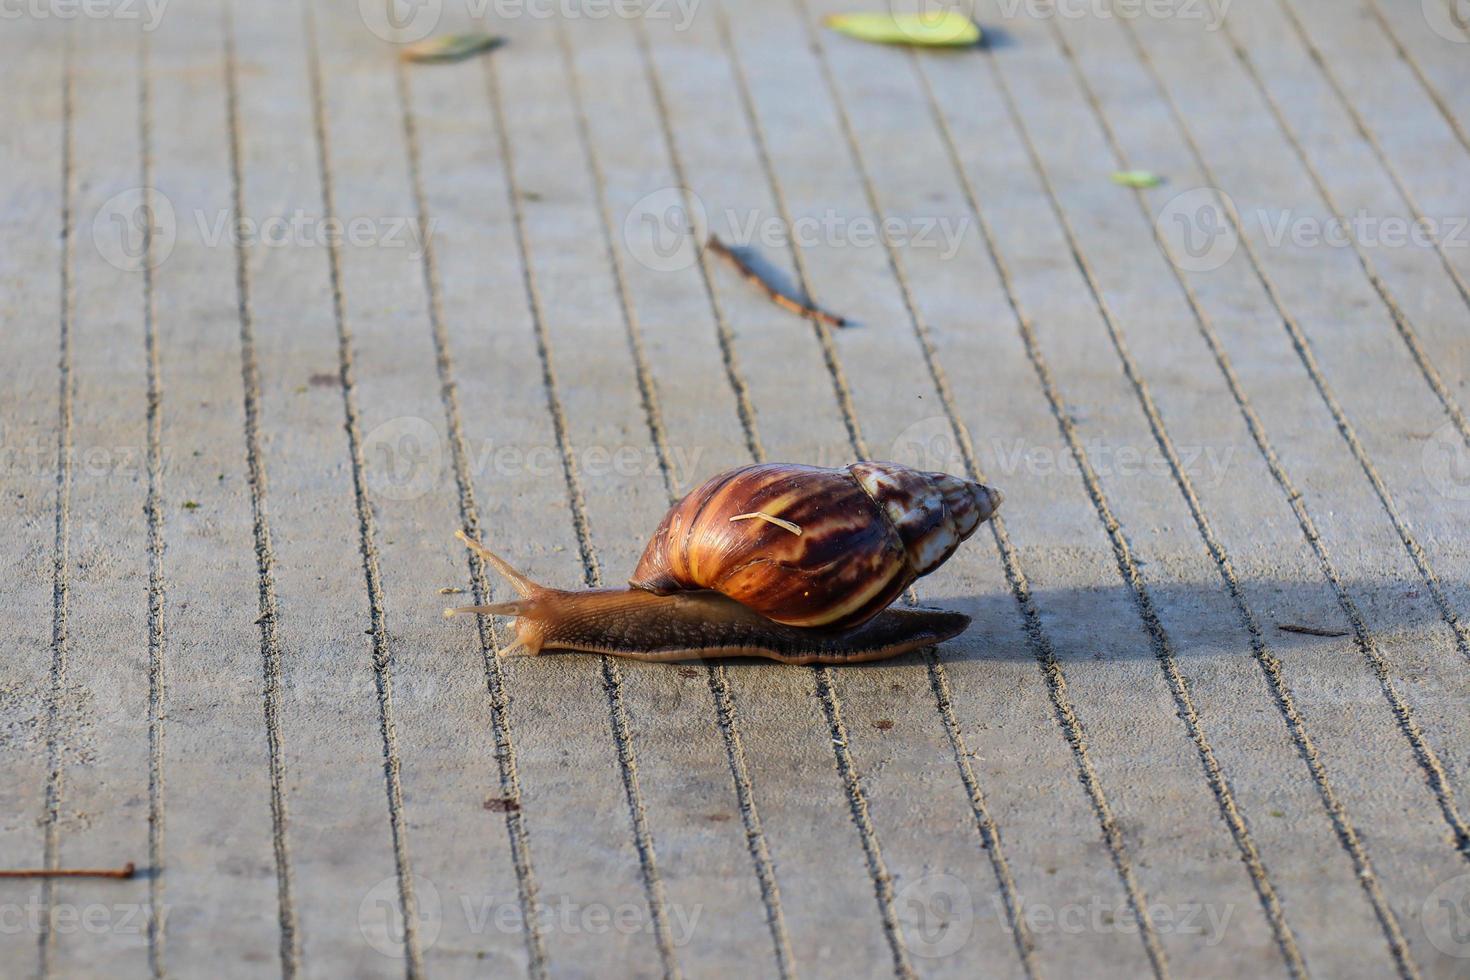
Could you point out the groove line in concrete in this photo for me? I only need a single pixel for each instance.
(153, 511)
(61, 546)
(265, 558)
(382, 654)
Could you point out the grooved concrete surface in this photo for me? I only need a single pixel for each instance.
(278, 314)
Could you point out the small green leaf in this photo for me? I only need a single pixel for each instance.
(1137, 178)
(947, 28)
(449, 47)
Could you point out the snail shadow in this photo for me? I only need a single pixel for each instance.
(1199, 620)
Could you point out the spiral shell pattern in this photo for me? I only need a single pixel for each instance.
(866, 532)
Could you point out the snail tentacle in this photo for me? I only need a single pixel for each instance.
(523, 585)
(490, 609)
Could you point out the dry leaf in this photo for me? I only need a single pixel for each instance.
(776, 296)
(449, 47)
(1137, 178)
(1311, 630)
(948, 28)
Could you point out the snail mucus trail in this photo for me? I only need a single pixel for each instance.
(793, 563)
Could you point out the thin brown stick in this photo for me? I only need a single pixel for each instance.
(1310, 630)
(776, 296)
(126, 871)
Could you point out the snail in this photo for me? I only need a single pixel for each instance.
(792, 563)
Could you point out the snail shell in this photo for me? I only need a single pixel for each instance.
(845, 544)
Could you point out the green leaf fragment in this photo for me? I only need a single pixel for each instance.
(1137, 178)
(947, 28)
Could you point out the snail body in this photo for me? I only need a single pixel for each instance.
(793, 563)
